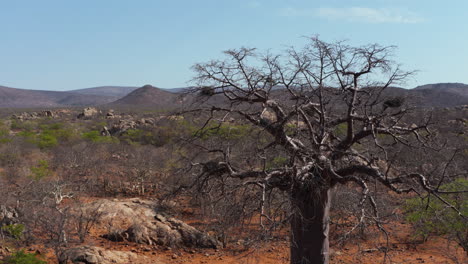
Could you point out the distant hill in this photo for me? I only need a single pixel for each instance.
(459, 88)
(116, 91)
(177, 90)
(430, 95)
(21, 98)
(151, 97)
(440, 94)
(453, 88)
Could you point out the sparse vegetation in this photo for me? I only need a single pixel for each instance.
(433, 217)
(331, 120)
(96, 137)
(14, 230)
(21, 257)
(53, 165)
(237, 168)
(41, 170)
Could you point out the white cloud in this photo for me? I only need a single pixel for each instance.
(357, 14)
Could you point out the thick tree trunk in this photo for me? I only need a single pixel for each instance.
(310, 227)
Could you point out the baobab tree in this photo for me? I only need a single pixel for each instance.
(325, 108)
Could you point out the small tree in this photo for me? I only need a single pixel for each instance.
(13, 230)
(45, 214)
(431, 216)
(21, 257)
(324, 109)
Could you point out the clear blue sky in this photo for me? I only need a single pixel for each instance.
(65, 44)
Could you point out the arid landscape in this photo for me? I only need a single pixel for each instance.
(102, 184)
(233, 132)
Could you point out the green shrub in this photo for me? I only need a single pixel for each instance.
(46, 140)
(22, 257)
(22, 125)
(277, 162)
(40, 171)
(157, 136)
(224, 131)
(54, 126)
(47, 135)
(97, 125)
(14, 230)
(8, 159)
(15, 124)
(291, 129)
(95, 136)
(57, 130)
(341, 129)
(136, 136)
(27, 134)
(4, 136)
(430, 216)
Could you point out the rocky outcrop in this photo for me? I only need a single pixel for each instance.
(4, 251)
(8, 215)
(138, 221)
(165, 232)
(35, 115)
(268, 117)
(88, 112)
(124, 125)
(105, 131)
(112, 115)
(97, 255)
(146, 121)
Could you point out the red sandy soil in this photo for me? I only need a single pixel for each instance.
(400, 248)
(400, 251)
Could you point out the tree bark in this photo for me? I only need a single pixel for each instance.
(310, 227)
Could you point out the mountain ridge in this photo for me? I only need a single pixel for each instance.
(150, 96)
(428, 95)
(23, 98)
(106, 90)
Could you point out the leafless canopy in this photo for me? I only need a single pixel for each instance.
(324, 107)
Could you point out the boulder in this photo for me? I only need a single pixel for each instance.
(175, 118)
(111, 114)
(105, 131)
(26, 116)
(150, 121)
(268, 117)
(123, 126)
(139, 221)
(97, 255)
(146, 121)
(88, 112)
(168, 232)
(48, 113)
(4, 251)
(8, 215)
(35, 115)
